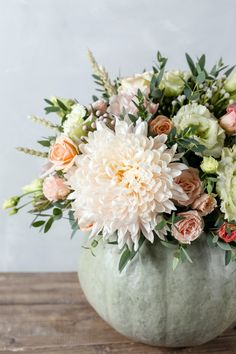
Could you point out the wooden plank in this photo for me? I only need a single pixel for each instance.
(39, 288)
(48, 314)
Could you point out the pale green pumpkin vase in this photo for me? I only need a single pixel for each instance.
(150, 303)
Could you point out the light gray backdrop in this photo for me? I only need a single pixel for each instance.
(43, 45)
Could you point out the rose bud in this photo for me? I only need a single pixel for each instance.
(228, 121)
(160, 125)
(227, 232)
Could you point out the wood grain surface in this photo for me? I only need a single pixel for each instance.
(47, 313)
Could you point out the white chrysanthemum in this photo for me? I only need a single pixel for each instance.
(123, 181)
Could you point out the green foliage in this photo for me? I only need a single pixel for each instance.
(185, 140)
(127, 254)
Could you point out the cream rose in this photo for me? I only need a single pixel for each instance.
(191, 184)
(130, 85)
(205, 204)
(189, 228)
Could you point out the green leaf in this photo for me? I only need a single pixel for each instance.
(124, 259)
(94, 243)
(170, 245)
(200, 77)
(215, 239)
(48, 224)
(186, 254)
(202, 62)
(176, 261)
(57, 213)
(45, 143)
(51, 109)
(61, 105)
(224, 246)
(228, 256)
(160, 225)
(229, 71)
(74, 230)
(191, 64)
(38, 223)
(49, 102)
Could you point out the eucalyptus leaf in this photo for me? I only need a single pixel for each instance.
(48, 224)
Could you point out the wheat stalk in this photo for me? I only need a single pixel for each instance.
(103, 74)
(32, 152)
(44, 122)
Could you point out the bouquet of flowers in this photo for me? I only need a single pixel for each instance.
(153, 159)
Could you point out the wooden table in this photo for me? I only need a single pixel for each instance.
(46, 313)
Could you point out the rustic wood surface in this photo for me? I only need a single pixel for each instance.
(46, 313)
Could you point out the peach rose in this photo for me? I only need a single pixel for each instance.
(189, 228)
(205, 204)
(191, 184)
(160, 125)
(228, 121)
(62, 153)
(54, 188)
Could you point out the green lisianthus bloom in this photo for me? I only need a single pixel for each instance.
(226, 183)
(230, 83)
(173, 82)
(209, 165)
(207, 130)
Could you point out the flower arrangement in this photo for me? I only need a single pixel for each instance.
(151, 160)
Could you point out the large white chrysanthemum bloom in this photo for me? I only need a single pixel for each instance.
(123, 181)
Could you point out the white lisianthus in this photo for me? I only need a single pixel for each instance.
(123, 182)
(173, 82)
(226, 184)
(130, 85)
(207, 130)
(230, 83)
(73, 125)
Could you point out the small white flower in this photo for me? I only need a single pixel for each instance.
(73, 126)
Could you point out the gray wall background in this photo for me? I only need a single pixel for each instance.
(43, 45)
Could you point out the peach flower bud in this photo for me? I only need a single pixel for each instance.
(160, 125)
(62, 153)
(54, 188)
(189, 228)
(100, 105)
(191, 184)
(228, 121)
(205, 204)
(152, 107)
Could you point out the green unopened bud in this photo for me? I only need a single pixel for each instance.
(11, 202)
(230, 82)
(13, 211)
(35, 186)
(209, 165)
